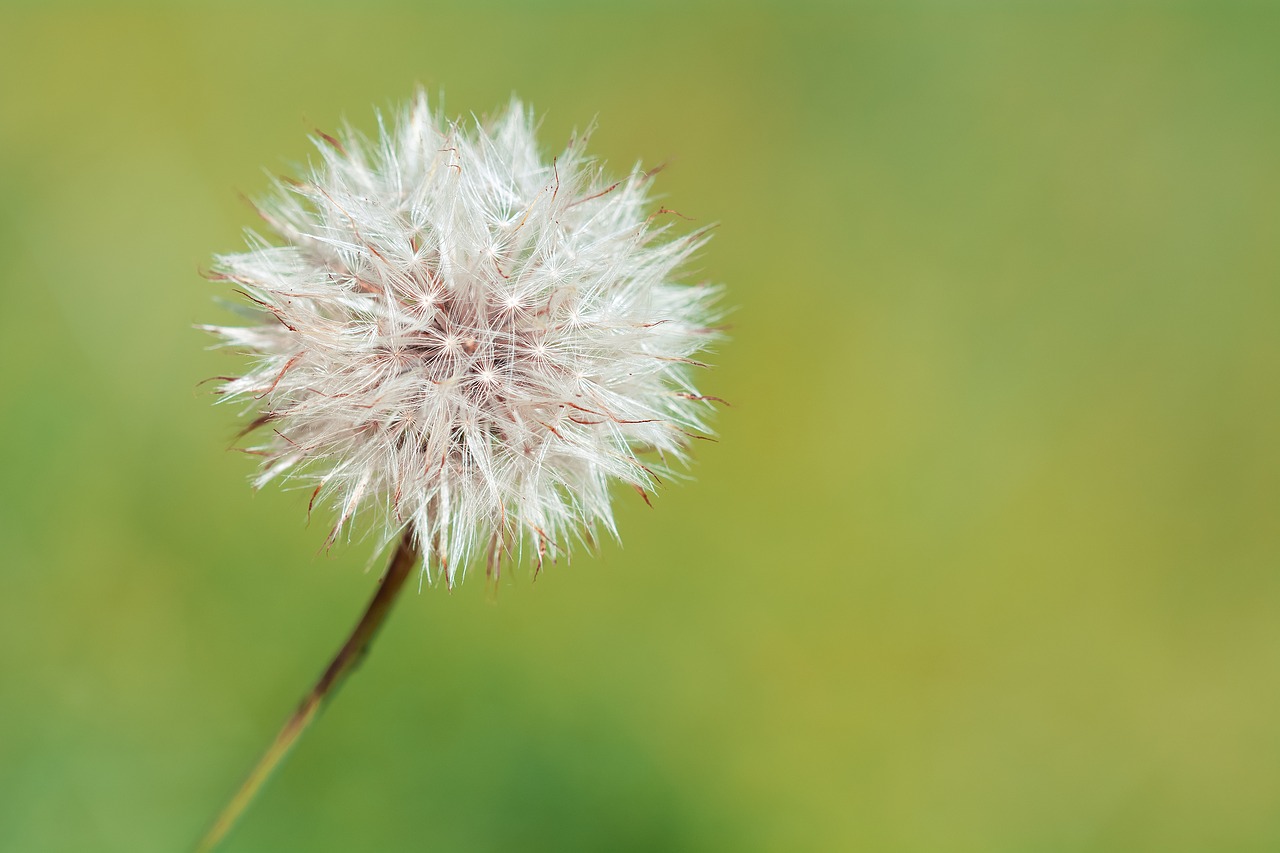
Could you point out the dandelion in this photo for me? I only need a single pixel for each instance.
(462, 345)
(468, 340)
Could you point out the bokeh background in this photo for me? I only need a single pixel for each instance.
(987, 558)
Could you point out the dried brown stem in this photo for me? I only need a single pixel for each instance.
(346, 660)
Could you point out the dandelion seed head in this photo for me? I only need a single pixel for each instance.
(455, 335)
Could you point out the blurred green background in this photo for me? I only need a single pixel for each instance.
(986, 559)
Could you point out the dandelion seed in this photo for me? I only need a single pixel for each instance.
(441, 302)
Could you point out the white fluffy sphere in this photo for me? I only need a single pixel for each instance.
(455, 334)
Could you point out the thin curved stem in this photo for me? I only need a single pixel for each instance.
(347, 658)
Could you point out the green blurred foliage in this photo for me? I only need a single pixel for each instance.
(986, 559)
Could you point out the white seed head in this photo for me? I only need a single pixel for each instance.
(455, 335)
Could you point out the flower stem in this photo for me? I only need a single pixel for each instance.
(347, 658)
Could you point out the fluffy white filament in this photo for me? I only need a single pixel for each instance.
(457, 335)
